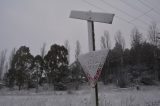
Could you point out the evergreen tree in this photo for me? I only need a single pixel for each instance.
(22, 62)
(56, 63)
(136, 43)
(38, 70)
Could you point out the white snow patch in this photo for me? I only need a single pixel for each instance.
(108, 96)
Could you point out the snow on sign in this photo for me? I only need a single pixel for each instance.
(92, 64)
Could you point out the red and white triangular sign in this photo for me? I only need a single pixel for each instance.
(92, 64)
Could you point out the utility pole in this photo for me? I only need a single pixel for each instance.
(92, 17)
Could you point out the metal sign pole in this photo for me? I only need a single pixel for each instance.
(92, 17)
(91, 38)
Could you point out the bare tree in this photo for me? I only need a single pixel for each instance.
(67, 46)
(13, 52)
(43, 50)
(2, 62)
(153, 34)
(77, 72)
(6, 67)
(105, 44)
(153, 39)
(77, 50)
(120, 45)
(105, 41)
(136, 41)
(136, 37)
(119, 39)
(107, 38)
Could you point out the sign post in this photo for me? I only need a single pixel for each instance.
(91, 39)
(92, 17)
(92, 64)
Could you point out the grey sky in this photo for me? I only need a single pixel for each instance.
(34, 22)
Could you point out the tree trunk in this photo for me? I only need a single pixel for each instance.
(37, 85)
(19, 87)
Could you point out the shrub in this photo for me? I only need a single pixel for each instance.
(147, 81)
(122, 83)
(60, 87)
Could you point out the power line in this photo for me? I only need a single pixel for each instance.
(146, 5)
(135, 8)
(95, 6)
(107, 3)
(142, 15)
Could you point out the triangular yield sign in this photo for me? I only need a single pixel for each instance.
(92, 64)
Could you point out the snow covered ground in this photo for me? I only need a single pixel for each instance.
(108, 96)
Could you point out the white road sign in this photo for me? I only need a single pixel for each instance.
(93, 16)
(92, 64)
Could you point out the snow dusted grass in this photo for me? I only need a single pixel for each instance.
(108, 96)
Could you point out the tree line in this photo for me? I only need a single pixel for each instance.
(137, 65)
(124, 67)
(29, 71)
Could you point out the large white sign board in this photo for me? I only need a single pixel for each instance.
(93, 16)
(92, 64)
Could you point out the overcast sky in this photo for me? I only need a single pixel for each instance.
(34, 22)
